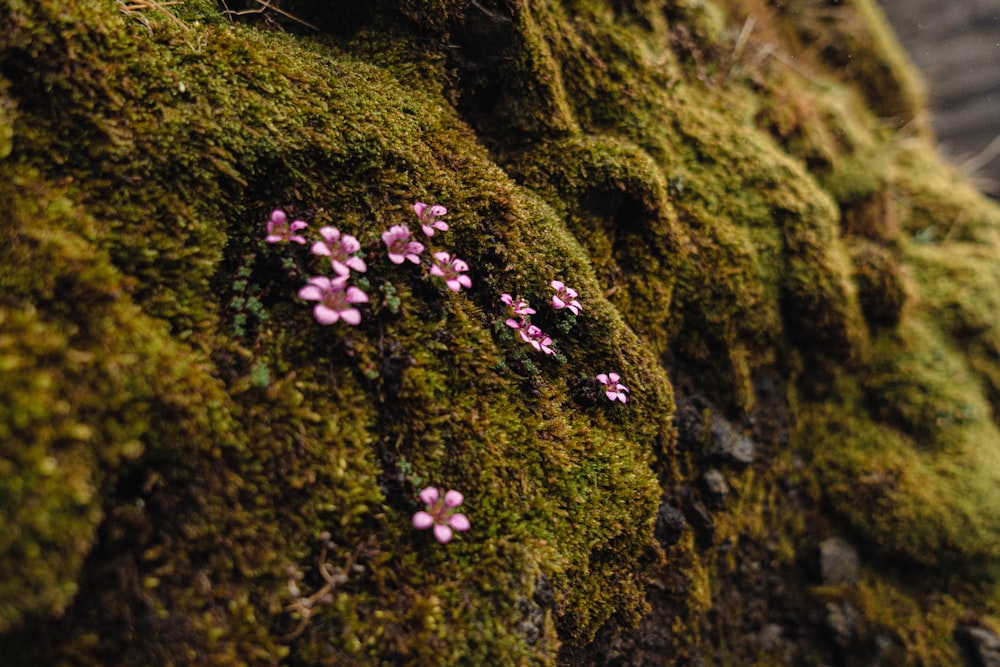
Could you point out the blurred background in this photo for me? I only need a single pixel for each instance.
(956, 43)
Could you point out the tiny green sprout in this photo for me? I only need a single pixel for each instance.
(260, 375)
(530, 367)
(404, 466)
(391, 299)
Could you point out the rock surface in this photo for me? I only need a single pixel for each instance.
(197, 467)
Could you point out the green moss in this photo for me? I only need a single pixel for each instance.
(183, 446)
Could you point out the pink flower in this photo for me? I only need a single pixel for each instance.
(565, 297)
(517, 308)
(400, 247)
(441, 514)
(279, 230)
(534, 337)
(614, 389)
(452, 270)
(335, 299)
(427, 215)
(339, 249)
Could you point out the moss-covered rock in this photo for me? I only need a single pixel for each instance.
(194, 471)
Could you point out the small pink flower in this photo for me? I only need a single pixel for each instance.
(400, 247)
(427, 215)
(613, 389)
(452, 270)
(565, 297)
(534, 337)
(339, 248)
(335, 299)
(441, 514)
(518, 309)
(278, 228)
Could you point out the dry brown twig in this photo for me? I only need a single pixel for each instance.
(130, 7)
(263, 6)
(308, 606)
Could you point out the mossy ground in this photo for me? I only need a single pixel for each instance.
(735, 207)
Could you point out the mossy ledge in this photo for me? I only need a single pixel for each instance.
(767, 249)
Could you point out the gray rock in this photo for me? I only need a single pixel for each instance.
(980, 647)
(670, 524)
(727, 445)
(769, 637)
(842, 618)
(838, 561)
(716, 486)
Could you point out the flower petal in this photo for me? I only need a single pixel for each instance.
(350, 244)
(442, 533)
(352, 316)
(453, 499)
(311, 293)
(422, 520)
(355, 295)
(429, 495)
(459, 522)
(325, 315)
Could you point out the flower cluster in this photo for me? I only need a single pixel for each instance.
(401, 247)
(440, 513)
(519, 313)
(335, 299)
